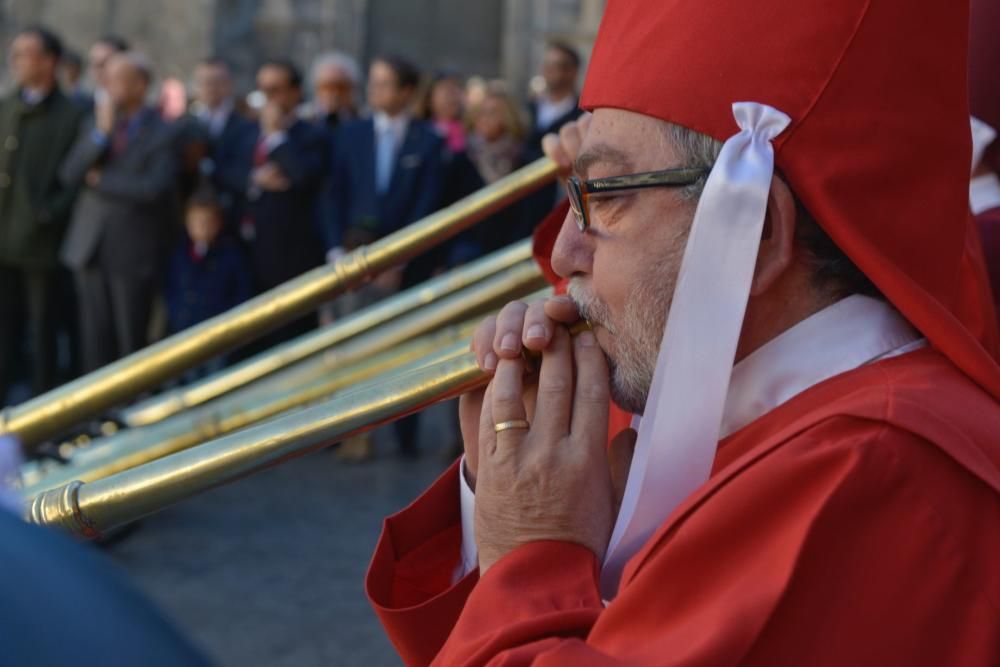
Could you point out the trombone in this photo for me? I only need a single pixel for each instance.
(90, 509)
(384, 348)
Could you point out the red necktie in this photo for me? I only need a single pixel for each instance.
(119, 140)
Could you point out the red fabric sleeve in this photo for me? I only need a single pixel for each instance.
(409, 581)
(853, 544)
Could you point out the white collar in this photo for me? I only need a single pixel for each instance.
(853, 332)
(984, 193)
(395, 124)
(568, 102)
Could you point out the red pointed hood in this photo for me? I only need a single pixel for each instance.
(879, 145)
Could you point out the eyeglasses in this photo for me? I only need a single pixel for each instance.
(580, 192)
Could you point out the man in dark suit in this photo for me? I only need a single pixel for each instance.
(387, 169)
(387, 174)
(224, 129)
(122, 220)
(38, 125)
(285, 160)
(557, 105)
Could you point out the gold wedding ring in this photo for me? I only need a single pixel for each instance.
(513, 423)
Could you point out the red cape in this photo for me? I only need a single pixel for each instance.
(857, 524)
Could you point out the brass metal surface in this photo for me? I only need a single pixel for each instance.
(92, 508)
(89, 509)
(301, 384)
(182, 398)
(55, 411)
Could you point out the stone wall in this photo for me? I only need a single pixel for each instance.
(490, 38)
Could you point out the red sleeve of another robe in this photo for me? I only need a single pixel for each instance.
(853, 543)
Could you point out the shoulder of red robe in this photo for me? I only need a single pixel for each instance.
(862, 62)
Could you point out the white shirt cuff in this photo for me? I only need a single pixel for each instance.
(470, 554)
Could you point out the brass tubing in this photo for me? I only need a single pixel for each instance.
(307, 381)
(133, 448)
(57, 410)
(182, 398)
(89, 509)
(495, 290)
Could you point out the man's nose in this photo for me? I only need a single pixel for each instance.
(572, 253)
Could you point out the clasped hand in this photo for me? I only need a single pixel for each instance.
(557, 479)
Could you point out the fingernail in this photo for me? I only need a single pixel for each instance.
(490, 362)
(510, 343)
(587, 339)
(537, 331)
(561, 298)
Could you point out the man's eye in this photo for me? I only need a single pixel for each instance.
(608, 200)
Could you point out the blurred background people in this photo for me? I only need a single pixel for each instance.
(496, 142)
(387, 169)
(224, 129)
(335, 78)
(97, 60)
(208, 272)
(558, 103)
(71, 77)
(554, 106)
(285, 161)
(443, 105)
(126, 164)
(38, 126)
(496, 145)
(387, 173)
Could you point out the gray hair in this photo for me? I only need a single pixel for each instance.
(694, 150)
(139, 61)
(340, 60)
(832, 270)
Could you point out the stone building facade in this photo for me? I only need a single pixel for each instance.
(490, 38)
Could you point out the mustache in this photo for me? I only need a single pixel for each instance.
(589, 306)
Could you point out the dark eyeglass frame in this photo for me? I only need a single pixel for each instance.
(580, 191)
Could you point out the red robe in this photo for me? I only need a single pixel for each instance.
(857, 524)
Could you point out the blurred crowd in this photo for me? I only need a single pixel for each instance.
(131, 208)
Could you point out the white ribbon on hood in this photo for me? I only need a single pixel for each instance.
(679, 431)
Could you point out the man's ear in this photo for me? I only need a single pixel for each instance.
(777, 244)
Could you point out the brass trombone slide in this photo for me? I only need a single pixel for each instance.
(56, 411)
(88, 509)
(294, 387)
(284, 355)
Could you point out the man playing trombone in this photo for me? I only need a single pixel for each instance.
(770, 238)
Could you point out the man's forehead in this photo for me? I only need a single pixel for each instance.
(622, 140)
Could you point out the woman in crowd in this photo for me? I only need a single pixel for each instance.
(443, 105)
(497, 138)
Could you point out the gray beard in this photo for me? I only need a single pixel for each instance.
(635, 345)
